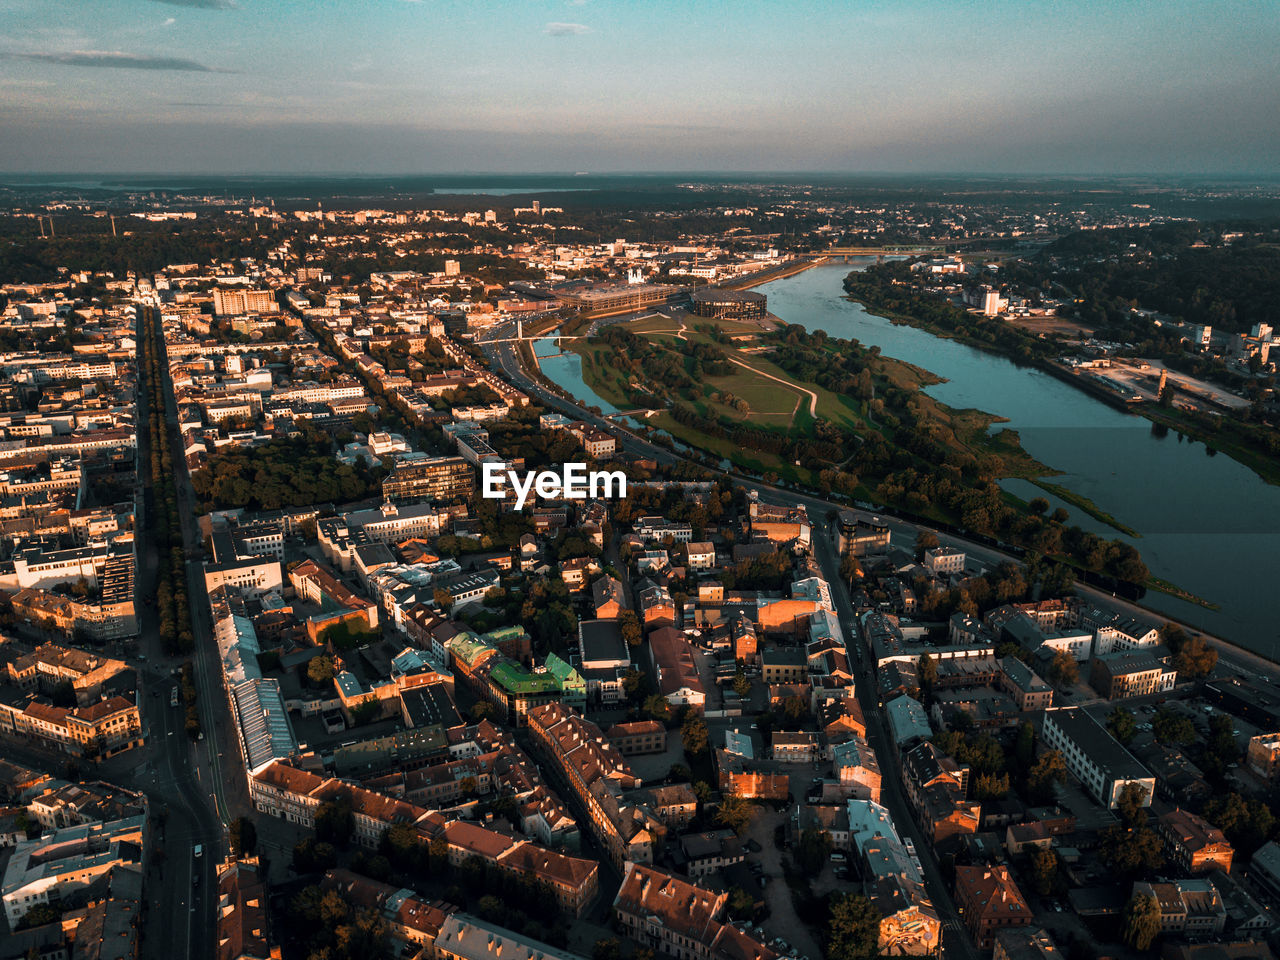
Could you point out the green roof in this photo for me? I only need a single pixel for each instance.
(515, 678)
(566, 675)
(504, 633)
(469, 648)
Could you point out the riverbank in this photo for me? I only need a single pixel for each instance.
(1219, 436)
(1081, 502)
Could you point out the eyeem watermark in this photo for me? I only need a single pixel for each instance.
(573, 482)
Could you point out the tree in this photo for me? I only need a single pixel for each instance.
(244, 837)
(735, 813)
(1196, 659)
(629, 627)
(1038, 505)
(853, 931)
(1044, 868)
(335, 822)
(1170, 725)
(925, 540)
(1129, 851)
(813, 851)
(1047, 771)
(312, 857)
(1221, 746)
(1063, 671)
(694, 735)
(741, 685)
(1024, 747)
(1132, 804)
(608, 949)
(928, 674)
(1122, 724)
(657, 707)
(38, 916)
(320, 670)
(1141, 921)
(1247, 823)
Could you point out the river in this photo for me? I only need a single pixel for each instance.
(1208, 524)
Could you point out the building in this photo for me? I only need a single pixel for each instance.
(704, 853)
(232, 301)
(241, 913)
(1118, 676)
(944, 561)
(1024, 943)
(937, 786)
(638, 736)
(100, 729)
(604, 659)
(989, 900)
(1094, 757)
(596, 777)
(675, 669)
(1020, 682)
(1191, 908)
(701, 555)
(1193, 843)
(63, 863)
(251, 574)
(680, 919)
(784, 665)
(435, 478)
(608, 598)
(907, 720)
(729, 304)
(1264, 869)
(862, 534)
(466, 937)
(1263, 754)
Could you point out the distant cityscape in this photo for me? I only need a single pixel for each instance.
(280, 676)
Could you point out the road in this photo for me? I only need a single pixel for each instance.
(956, 941)
(219, 766)
(180, 886)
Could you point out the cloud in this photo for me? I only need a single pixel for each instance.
(567, 29)
(201, 4)
(115, 60)
(576, 3)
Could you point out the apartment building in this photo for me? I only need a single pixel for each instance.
(1094, 757)
(1193, 843)
(989, 900)
(66, 861)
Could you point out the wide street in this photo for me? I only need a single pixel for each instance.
(180, 886)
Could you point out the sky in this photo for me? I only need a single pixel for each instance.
(434, 86)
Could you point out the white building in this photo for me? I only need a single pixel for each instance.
(1094, 757)
(68, 860)
(943, 561)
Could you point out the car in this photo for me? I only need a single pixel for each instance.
(198, 851)
(195, 879)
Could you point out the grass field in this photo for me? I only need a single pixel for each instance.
(785, 406)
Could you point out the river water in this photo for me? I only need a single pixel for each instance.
(1208, 524)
